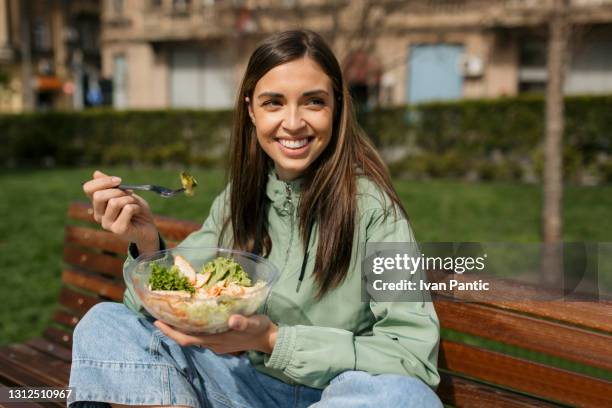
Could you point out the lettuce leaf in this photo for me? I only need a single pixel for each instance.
(163, 278)
(225, 269)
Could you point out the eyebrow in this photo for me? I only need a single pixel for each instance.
(278, 95)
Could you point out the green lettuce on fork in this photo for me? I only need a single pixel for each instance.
(189, 183)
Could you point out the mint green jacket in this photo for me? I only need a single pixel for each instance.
(317, 340)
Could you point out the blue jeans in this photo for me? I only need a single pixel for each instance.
(120, 358)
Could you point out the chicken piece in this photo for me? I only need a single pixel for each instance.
(185, 269)
(201, 279)
(234, 290)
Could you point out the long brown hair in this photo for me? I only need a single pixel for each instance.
(329, 185)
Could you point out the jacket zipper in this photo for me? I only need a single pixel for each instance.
(289, 204)
(291, 208)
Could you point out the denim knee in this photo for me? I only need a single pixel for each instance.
(410, 391)
(361, 389)
(92, 322)
(104, 330)
(100, 312)
(97, 315)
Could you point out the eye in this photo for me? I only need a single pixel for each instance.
(271, 102)
(316, 101)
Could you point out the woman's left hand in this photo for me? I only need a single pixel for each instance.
(255, 332)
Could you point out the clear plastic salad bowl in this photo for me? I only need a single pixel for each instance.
(208, 307)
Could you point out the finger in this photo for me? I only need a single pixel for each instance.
(143, 203)
(114, 206)
(99, 174)
(122, 224)
(181, 338)
(100, 200)
(100, 183)
(244, 324)
(238, 323)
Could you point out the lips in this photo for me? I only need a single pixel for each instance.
(294, 147)
(294, 143)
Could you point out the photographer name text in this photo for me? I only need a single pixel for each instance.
(452, 284)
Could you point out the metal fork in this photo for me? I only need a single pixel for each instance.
(162, 191)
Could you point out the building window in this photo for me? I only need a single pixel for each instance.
(201, 78)
(88, 32)
(532, 65)
(41, 35)
(434, 72)
(120, 82)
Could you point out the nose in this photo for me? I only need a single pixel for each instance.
(293, 120)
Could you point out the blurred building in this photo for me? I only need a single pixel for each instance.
(192, 53)
(188, 53)
(49, 54)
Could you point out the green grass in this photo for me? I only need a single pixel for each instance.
(35, 202)
(500, 212)
(34, 207)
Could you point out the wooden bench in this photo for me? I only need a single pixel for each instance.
(471, 376)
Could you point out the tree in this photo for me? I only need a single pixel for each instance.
(552, 221)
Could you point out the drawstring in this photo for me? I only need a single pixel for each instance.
(303, 270)
(258, 250)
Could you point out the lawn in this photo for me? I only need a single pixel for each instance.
(35, 203)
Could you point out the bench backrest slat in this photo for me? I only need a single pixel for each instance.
(98, 239)
(78, 302)
(58, 336)
(172, 229)
(101, 286)
(526, 376)
(464, 393)
(571, 343)
(95, 263)
(66, 318)
(516, 296)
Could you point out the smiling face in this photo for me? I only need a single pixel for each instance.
(292, 110)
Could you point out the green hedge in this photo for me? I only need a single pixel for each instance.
(497, 139)
(114, 137)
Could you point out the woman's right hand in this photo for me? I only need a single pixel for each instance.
(122, 212)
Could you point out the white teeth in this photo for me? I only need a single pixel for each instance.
(293, 144)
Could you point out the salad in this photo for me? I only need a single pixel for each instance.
(204, 300)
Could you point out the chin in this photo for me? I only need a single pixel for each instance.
(294, 170)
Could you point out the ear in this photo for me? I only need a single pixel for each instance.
(250, 108)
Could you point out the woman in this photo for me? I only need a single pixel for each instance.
(306, 190)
